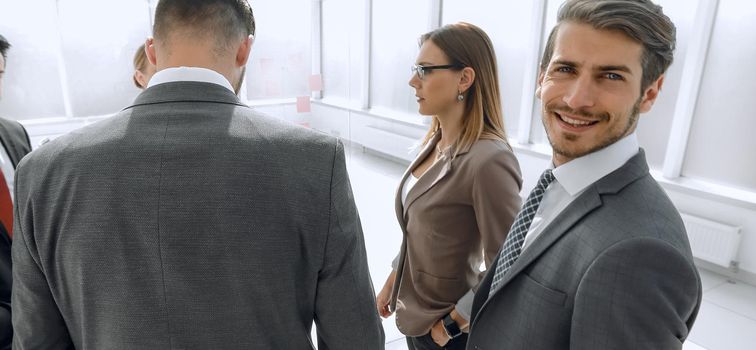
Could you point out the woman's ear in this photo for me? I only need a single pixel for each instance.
(466, 79)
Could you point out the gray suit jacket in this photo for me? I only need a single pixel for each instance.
(188, 221)
(15, 140)
(613, 271)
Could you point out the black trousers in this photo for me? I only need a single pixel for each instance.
(426, 343)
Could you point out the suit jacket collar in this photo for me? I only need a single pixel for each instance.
(186, 91)
(14, 139)
(588, 201)
(430, 178)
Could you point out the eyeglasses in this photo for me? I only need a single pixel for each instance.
(421, 71)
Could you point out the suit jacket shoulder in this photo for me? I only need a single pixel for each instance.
(15, 139)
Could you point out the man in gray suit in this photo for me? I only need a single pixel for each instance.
(188, 221)
(14, 145)
(598, 258)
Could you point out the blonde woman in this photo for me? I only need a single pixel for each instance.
(457, 200)
(143, 69)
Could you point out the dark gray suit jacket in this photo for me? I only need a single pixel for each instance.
(188, 221)
(15, 140)
(613, 271)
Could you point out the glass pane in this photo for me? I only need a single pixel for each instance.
(280, 65)
(99, 62)
(537, 133)
(31, 85)
(343, 49)
(721, 141)
(505, 31)
(397, 25)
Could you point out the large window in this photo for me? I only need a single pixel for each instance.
(281, 61)
(98, 50)
(32, 82)
(343, 50)
(506, 32)
(721, 143)
(74, 57)
(396, 28)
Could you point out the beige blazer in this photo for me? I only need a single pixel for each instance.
(456, 217)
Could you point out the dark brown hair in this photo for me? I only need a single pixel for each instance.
(641, 20)
(223, 21)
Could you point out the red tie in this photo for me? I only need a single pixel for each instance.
(6, 206)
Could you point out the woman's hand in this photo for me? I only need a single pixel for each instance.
(438, 333)
(383, 299)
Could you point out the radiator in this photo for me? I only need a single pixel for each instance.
(712, 241)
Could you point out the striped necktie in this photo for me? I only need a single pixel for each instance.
(513, 244)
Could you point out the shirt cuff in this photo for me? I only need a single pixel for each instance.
(464, 305)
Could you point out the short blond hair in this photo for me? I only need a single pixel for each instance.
(140, 64)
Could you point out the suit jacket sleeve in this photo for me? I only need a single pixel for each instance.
(496, 200)
(346, 315)
(639, 294)
(37, 321)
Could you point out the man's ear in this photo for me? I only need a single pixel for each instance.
(466, 80)
(538, 85)
(650, 94)
(149, 49)
(242, 53)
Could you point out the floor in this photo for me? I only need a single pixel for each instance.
(726, 321)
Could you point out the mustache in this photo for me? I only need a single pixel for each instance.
(557, 107)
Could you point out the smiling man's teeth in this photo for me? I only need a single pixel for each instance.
(575, 121)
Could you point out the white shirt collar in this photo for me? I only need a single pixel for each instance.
(204, 75)
(577, 174)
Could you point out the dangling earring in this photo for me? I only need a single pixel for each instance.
(460, 97)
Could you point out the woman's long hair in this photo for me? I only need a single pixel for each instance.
(466, 44)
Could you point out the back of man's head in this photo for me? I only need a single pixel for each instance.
(4, 46)
(222, 22)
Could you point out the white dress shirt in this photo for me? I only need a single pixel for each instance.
(204, 75)
(6, 164)
(573, 177)
(411, 181)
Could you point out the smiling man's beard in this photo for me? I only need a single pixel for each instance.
(602, 143)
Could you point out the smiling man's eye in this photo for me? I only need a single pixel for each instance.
(614, 76)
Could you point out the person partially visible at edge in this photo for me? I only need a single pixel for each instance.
(188, 220)
(14, 145)
(456, 201)
(143, 69)
(599, 257)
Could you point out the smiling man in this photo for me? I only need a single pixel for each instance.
(598, 258)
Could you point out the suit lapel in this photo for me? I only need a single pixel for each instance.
(587, 202)
(399, 208)
(578, 209)
(14, 142)
(431, 177)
